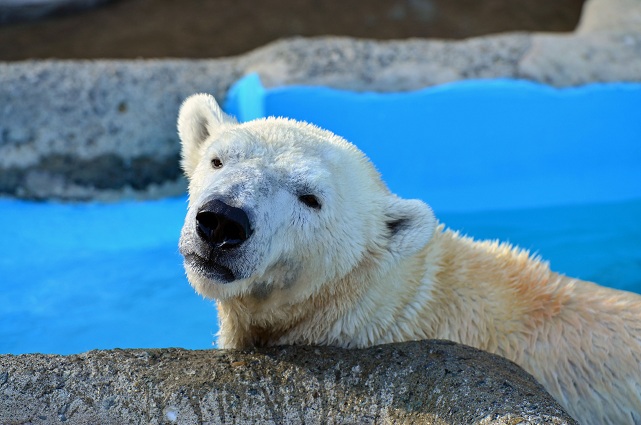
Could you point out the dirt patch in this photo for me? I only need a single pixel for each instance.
(206, 29)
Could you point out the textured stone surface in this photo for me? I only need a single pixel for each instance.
(386, 66)
(106, 129)
(564, 61)
(610, 15)
(79, 130)
(427, 382)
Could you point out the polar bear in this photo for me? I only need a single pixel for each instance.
(291, 229)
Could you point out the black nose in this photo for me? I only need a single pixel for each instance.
(222, 225)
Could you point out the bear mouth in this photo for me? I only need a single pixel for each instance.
(209, 269)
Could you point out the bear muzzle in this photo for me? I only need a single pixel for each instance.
(211, 243)
(222, 226)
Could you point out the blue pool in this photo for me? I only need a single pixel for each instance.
(556, 172)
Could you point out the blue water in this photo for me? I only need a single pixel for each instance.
(557, 172)
(79, 277)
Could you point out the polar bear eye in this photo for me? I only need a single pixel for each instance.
(311, 201)
(216, 163)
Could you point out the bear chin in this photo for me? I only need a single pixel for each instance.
(215, 272)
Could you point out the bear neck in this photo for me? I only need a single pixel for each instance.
(490, 295)
(454, 288)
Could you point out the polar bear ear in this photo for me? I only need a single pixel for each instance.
(199, 116)
(411, 224)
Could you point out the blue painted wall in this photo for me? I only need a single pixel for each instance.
(479, 145)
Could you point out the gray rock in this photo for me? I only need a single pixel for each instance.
(426, 382)
(611, 16)
(564, 61)
(87, 130)
(386, 66)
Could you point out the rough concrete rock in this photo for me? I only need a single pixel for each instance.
(386, 66)
(83, 130)
(611, 16)
(564, 61)
(425, 382)
(106, 129)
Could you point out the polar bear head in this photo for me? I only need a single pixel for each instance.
(279, 209)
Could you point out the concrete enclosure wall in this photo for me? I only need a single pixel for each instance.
(80, 130)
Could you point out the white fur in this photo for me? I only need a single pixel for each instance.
(277, 158)
(198, 119)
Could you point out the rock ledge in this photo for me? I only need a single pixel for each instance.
(425, 382)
